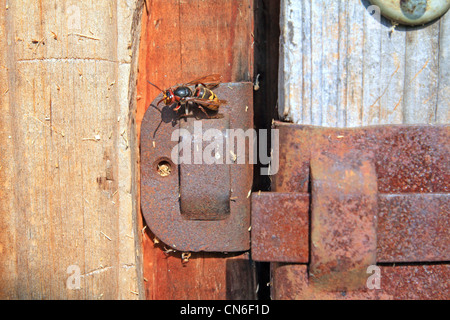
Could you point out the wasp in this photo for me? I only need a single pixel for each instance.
(200, 96)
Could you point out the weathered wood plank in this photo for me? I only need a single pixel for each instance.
(196, 39)
(372, 86)
(443, 99)
(8, 252)
(65, 164)
(341, 64)
(392, 69)
(355, 49)
(421, 74)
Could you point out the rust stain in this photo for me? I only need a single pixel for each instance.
(398, 103)
(419, 72)
(385, 89)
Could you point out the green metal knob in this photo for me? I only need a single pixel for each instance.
(412, 12)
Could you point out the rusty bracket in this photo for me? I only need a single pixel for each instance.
(194, 205)
(404, 282)
(205, 189)
(345, 199)
(343, 218)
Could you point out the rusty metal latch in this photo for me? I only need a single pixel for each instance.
(191, 205)
(346, 199)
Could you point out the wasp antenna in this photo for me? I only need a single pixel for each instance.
(156, 86)
(159, 125)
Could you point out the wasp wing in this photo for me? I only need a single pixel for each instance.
(210, 104)
(210, 81)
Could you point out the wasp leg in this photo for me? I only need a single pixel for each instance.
(177, 106)
(182, 116)
(186, 108)
(207, 115)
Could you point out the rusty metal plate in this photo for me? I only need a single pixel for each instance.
(413, 179)
(426, 282)
(410, 228)
(344, 208)
(412, 173)
(414, 228)
(205, 190)
(280, 229)
(294, 158)
(160, 193)
(408, 159)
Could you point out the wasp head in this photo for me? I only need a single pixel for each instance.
(168, 98)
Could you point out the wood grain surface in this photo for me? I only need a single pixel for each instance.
(65, 160)
(342, 65)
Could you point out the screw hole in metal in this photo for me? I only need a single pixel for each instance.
(164, 168)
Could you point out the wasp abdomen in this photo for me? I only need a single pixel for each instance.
(205, 93)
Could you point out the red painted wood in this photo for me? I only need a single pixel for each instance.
(180, 41)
